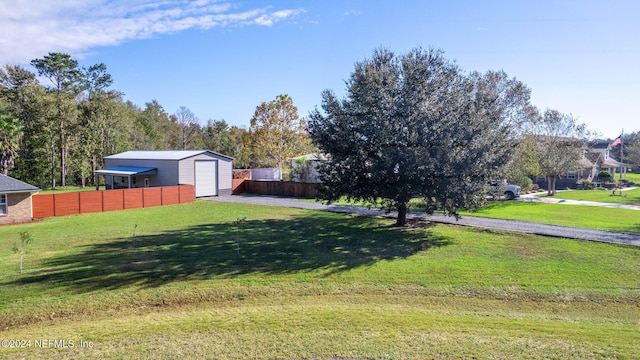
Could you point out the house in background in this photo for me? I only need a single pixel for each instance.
(210, 173)
(15, 200)
(594, 159)
(604, 161)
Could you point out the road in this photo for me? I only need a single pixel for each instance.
(612, 237)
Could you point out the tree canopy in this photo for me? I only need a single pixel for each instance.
(560, 143)
(277, 133)
(416, 125)
(60, 130)
(10, 131)
(413, 125)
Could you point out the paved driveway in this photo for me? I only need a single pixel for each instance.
(499, 224)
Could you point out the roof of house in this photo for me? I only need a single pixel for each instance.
(162, 154)
(11, 185)
(608, 160)
(612, 162)
(590, 159)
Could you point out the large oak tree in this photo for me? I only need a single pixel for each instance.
(416, 125)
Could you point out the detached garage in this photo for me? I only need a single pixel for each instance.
(210, 173)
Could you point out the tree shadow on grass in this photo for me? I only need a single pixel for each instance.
(301, 244)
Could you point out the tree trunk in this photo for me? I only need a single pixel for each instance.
(4, 168)
(53, 164)
(63, 162)
(402, 214)
(551, 182)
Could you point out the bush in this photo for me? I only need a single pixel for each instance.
(585, 185)
(525, 183)
(605, 176)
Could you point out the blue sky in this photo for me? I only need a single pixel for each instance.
(222, 58)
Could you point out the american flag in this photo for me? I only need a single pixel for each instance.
(617, 141)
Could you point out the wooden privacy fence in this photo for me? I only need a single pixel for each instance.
(278, 188)
(238, 186)
(48, 205)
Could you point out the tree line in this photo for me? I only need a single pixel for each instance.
(412, 124)
(58, 120)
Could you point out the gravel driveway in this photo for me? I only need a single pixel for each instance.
(499, 224)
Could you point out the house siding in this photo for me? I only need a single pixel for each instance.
(19, 209)
(186, 169)
(225, 177)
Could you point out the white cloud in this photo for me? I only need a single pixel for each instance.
(32, 28)
(352, 13)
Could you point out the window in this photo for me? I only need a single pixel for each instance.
(571, 175)
(4, 208)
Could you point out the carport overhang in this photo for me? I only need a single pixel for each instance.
(125, 171)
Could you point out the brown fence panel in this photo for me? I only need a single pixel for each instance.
(90, 201)
(113, 200)
(43, 206)
(238, 186)
(187, 193)
(133, 198)
(66, 204)
(170, 195)
(281, 188)
(304, 190)
(49, 205)
(152, 197)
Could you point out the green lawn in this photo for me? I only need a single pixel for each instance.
(634, 177)
(231, 281)
(629, 197)
(66, 189)
(590, 217)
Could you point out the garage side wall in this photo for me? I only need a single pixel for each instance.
(225, 176)
(167, 170)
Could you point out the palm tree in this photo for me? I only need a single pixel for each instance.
(10, 132)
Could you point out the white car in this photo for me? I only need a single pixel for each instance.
(509, 191)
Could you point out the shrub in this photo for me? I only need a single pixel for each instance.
(585, 185)
(604, 175)
(525, 183)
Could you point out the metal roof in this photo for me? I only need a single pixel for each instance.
(127, 171)
(11, 185)
(161, 154)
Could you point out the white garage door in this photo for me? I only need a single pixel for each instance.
(206, 178)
